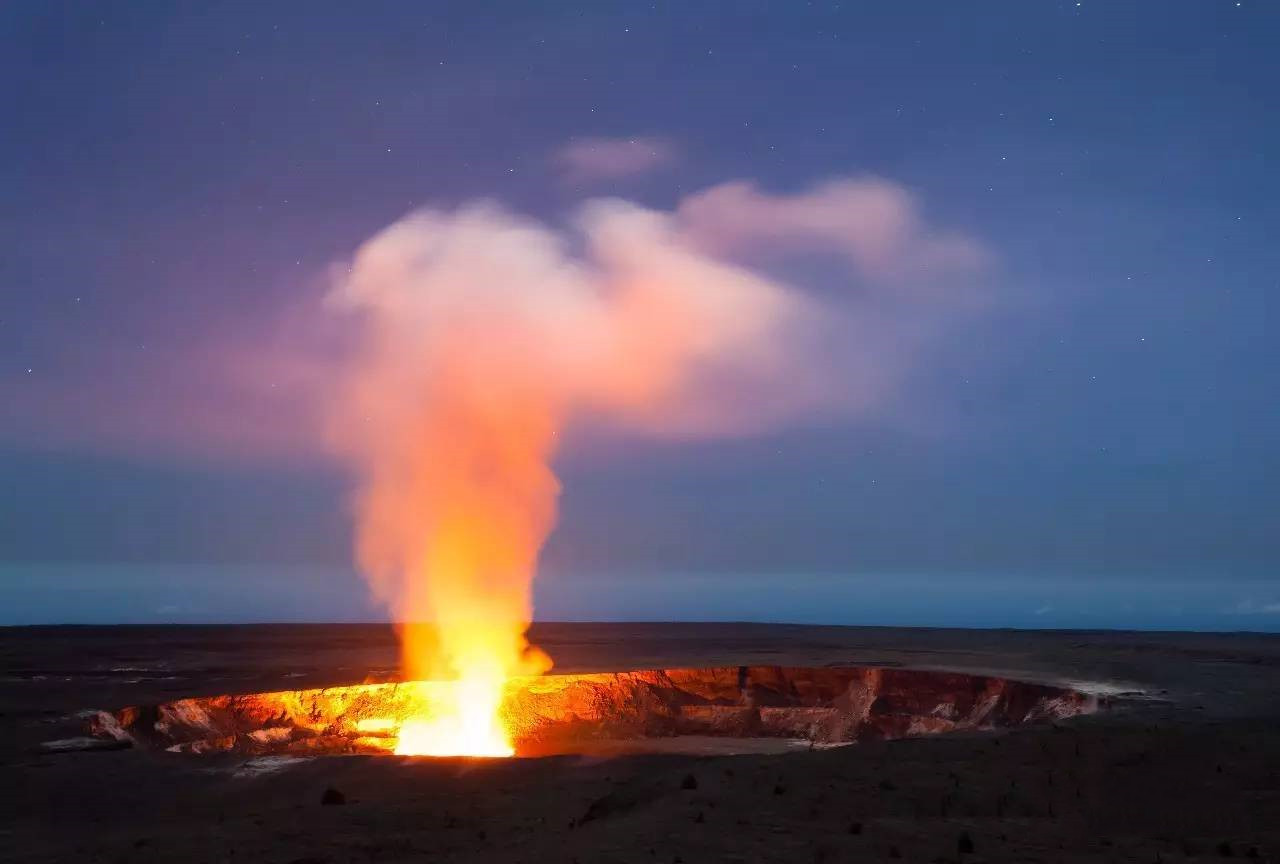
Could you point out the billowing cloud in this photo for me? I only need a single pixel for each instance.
(874, 223)
(662, 321)
(588, 160)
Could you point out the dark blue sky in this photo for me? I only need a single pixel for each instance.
(1108, 427)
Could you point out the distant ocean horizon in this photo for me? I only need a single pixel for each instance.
(230, 594)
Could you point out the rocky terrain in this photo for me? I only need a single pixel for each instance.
(571, 713)
(1183, 763)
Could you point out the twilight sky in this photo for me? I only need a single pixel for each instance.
(1049, 229)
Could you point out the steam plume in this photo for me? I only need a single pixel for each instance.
(482, 338)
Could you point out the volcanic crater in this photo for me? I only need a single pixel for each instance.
(747, 706)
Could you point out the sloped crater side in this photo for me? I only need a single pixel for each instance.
(566, 713)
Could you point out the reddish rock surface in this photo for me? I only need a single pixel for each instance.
(559, 713)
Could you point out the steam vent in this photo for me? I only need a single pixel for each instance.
(575, 713)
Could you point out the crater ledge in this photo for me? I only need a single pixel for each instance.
(579, 713)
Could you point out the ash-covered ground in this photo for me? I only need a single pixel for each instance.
(1183, 765)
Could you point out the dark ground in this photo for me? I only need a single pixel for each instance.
(1188, 770)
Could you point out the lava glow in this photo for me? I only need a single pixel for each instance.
(469, 725)
(440, 718)
(480, 339)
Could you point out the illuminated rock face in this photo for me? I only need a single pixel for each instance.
(564, 713)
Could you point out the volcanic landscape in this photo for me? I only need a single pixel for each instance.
(649, 742)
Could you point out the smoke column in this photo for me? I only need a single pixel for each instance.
(481, 338)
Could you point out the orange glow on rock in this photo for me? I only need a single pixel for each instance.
(467, 723)
(547, 714)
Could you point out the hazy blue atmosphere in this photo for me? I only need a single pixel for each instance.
(283, 594)
(1092, 442)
